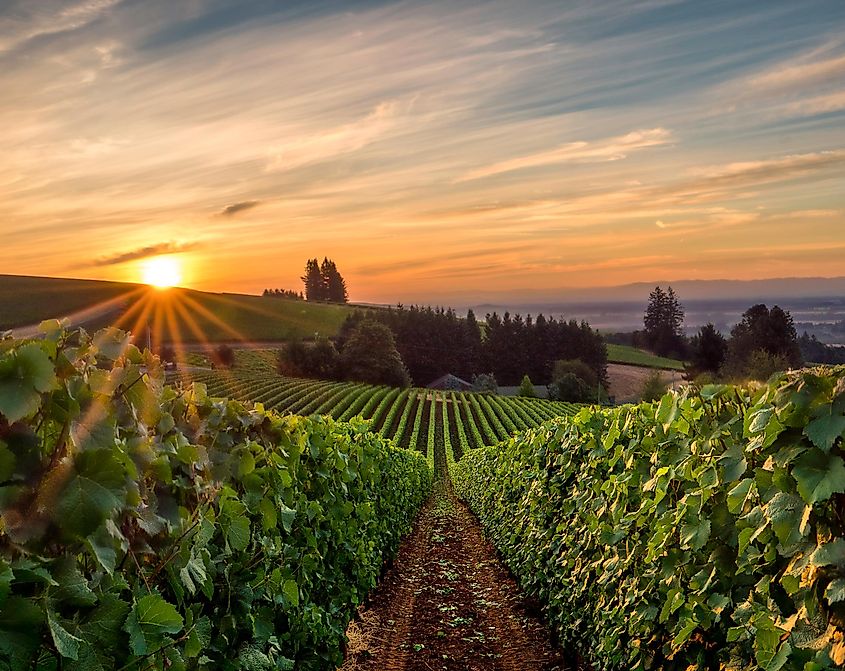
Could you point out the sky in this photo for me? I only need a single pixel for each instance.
(435, 150)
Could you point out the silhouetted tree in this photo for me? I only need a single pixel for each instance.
(708, 349)
(334, 285)
(313, 281)
(664, 323)
(762, 330)
(812, 349)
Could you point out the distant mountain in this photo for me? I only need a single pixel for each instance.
(780, 288)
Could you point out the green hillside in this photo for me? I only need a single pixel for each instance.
(174, 315)
(636, 357)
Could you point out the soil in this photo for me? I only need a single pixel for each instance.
(626, 382)
(448, 604)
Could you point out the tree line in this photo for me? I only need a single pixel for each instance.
(283, 293)
(435, 341)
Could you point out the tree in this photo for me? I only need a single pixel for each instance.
(485, 384)
(526, 388)
(570, 388)
(762, 330)
(370, 355)
(320, 360)
(574, 381)
(708, 349)
(664, 323)
(313, 281)
(333, 283)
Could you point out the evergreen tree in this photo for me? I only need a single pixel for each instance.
(664, 323)
(313, 281)
(708, 349)
(334, 283)
(526, 388)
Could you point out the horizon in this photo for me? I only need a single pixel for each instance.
(545, 150)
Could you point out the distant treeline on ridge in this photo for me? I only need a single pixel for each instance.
(435, 341)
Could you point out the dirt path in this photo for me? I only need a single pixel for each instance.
(449, 604)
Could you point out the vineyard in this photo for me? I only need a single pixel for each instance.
(701, 532)
(145, 527)
(467, 420)
(238, 519)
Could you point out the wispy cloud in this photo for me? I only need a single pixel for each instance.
(159, 249)
(234, 208)
(609, 149)
(48, 20)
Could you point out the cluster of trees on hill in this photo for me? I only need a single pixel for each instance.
(283, 293)
(763, 342)
(323, 282)
(368, 354)
(435, 341)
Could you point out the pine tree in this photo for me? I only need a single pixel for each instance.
(334, 283)
(313, 281)
(664, 322)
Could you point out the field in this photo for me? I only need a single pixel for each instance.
(415, 418)
(175, 315)
(29, 300)
(636, 357)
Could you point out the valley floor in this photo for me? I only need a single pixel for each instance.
(448, 604)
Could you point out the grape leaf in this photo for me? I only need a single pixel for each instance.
(819, 476)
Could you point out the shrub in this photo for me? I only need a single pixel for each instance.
(654, 386)
(571, 388)
(526, 388)
(224, 356)
(485, 383)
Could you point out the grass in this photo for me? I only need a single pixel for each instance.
(30, 300)
(175, 315)
(637, 357)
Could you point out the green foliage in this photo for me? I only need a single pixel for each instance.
(761, 365)
(764, 342)
(485, 383)
(654, 387)
(701, 532)
(526, 388)
(370, 355)
(146, 526)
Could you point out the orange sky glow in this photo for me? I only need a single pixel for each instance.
(499, 150)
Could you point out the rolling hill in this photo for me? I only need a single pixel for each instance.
(172, 315)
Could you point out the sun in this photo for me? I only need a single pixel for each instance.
(162, 272)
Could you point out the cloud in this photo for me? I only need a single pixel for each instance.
(146, 252)
(791, 75)
(67, 18)
(609, 149)
(336, 141)
(744, 173)
(234, 208)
